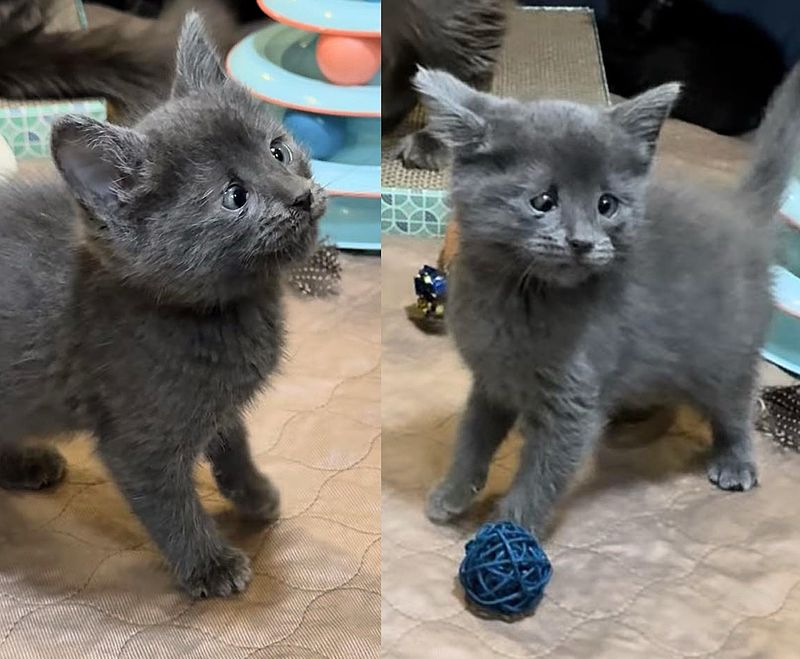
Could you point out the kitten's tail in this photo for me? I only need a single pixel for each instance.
(131, 68)
(777, 147)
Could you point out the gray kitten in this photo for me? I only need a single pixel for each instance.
(581, 286)
(141, 302)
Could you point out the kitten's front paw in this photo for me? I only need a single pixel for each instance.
(421, 151)
(515, 507)
(449, 500)
(731, 473)
(31, 467)
(222, 575)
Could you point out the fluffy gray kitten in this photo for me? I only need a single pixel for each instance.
(581, 286)
(141, 302)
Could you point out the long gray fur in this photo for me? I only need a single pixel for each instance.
(136, 306)
(569, 315)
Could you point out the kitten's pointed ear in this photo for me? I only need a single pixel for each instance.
(643, 115)
(98, 161)
(197, 63)
(453, 108)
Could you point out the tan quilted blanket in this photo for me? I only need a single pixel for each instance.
(649, 559)
(80, 578)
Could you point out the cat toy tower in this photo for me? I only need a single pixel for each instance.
(782, 346)
(318, 69)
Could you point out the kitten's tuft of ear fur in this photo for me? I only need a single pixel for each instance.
(97, 160)
(643, 115)
(451, 108)
(197, 63)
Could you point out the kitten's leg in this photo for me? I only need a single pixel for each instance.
(156, 478)
(482, 428)
(237, 477)
(421, 150)
(731, 466)
(557, 439)
(31, 467)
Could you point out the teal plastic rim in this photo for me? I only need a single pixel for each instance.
(253, 62)
(355, 18)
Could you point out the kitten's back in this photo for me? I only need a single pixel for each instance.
(37, 235)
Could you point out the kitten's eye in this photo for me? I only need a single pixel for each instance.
(544, 202)
(234, 197)
(607, 205)
(281, 152)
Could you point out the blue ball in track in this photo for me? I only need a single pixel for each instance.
(323, 134)
(504, 570)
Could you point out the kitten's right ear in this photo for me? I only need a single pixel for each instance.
(643, 115)
(197, 63)
(99, 161)
(451, 108)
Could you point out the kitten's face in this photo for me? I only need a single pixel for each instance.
(228, 194)
(205, 198)
(555, 189)
(556, 185)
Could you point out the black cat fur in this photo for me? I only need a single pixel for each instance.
(727, 64)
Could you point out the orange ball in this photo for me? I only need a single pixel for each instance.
(348, 60)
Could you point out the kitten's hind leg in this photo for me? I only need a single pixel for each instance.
(731, 466)
(237, 477)
(31, 467)
(482, 428)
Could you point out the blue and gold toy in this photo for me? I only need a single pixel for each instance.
(430, 285)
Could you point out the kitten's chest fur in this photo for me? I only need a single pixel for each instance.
(521, 342)
(191, 367)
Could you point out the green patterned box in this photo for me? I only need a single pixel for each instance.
(26, 126)
(417, 212)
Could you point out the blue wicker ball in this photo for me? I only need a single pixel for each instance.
(504, 570)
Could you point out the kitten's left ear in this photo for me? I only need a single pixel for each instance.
(643, 115)
(454, 108)
(197, 63)
(99, 161)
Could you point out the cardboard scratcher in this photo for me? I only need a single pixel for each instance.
(548, 53)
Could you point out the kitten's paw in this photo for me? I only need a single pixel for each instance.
(421, 151)
(222, 575)
(731, 473)
(449, 500)
(31, 467)
(516, 508)
(258, 499)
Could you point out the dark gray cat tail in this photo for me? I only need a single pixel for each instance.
(133, 70)
(777, 146)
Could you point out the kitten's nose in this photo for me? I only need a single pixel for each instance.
(303, 201)
(580, 245)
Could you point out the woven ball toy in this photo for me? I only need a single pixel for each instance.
(504, 570)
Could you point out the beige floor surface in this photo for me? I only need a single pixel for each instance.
(80, 578)
(650, 560)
